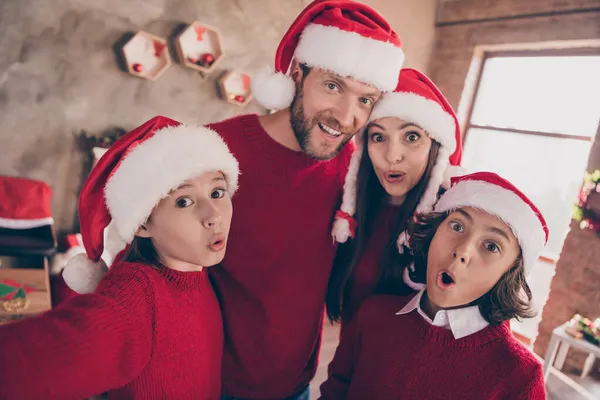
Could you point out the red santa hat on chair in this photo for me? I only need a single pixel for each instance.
(416, 100)
(131, 178)
(491, 193)
(347, 38)
(15, 213)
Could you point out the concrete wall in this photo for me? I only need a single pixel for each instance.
(59, 73)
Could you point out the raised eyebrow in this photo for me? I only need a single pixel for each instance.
(337, 80)
(499, 232)
(407, 124)
(464, 214)
(182, 186)
(374, 94)
(376, 125)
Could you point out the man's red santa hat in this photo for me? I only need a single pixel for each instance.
(416, 99)
(139, 170)
(347, 38)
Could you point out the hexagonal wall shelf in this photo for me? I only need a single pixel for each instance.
(235, 87)
(146, 55)
(199, 47)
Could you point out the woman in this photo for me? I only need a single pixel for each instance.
(412, 138)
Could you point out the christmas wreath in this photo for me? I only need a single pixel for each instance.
(584, 213)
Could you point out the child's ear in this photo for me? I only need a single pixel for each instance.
(143, 232)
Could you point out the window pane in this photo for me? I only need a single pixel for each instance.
(548, 94)
(548, 170)
(539, 280)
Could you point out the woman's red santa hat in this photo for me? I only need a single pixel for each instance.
(139, 170)
(416, 99)
(489, 192)
(347, 38)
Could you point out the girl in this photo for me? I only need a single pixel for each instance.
(452, 339)
(412, 137)
(152, 329)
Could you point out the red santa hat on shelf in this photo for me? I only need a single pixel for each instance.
(416, 99)
(24, 203)
(131, 178)
(491, 193)
(347, 38)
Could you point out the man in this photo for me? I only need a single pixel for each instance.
(340, 56)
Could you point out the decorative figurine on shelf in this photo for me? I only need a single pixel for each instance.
(145, 55)
(199, 47)
(235, 87)
(587, 209)
(206, 60)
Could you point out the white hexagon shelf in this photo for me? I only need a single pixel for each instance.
(199, 47)
(146, 55)
(235, 87)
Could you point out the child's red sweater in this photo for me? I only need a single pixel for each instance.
(144, 334)
(387, 356)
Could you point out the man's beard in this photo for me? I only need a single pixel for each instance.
(302, 126)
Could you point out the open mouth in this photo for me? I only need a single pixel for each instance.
(218, 244)
(445, 280)
(332, 133)
(394, 177)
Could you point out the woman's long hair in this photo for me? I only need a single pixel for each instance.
(370, 197)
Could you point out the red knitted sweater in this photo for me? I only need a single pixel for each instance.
(368, 269)
(144, 334)
(273, 280)
(387, 356)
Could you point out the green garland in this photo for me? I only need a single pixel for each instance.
(582, 213)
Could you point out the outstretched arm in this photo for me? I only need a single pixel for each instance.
(89, 344)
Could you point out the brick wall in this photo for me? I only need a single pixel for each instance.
(576, 286)
(468, 10)
(465, 27)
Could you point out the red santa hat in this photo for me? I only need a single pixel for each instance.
(416, 99)
(347, 38)
(131, 178)
(24, 203)
(491, 193)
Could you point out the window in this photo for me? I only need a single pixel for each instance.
(533, 121)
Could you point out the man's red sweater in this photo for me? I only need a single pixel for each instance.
(144, 334)
(273, 280)
(387, 356)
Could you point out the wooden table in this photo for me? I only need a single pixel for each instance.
(559, 347)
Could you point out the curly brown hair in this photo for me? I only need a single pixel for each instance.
(509, 298)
